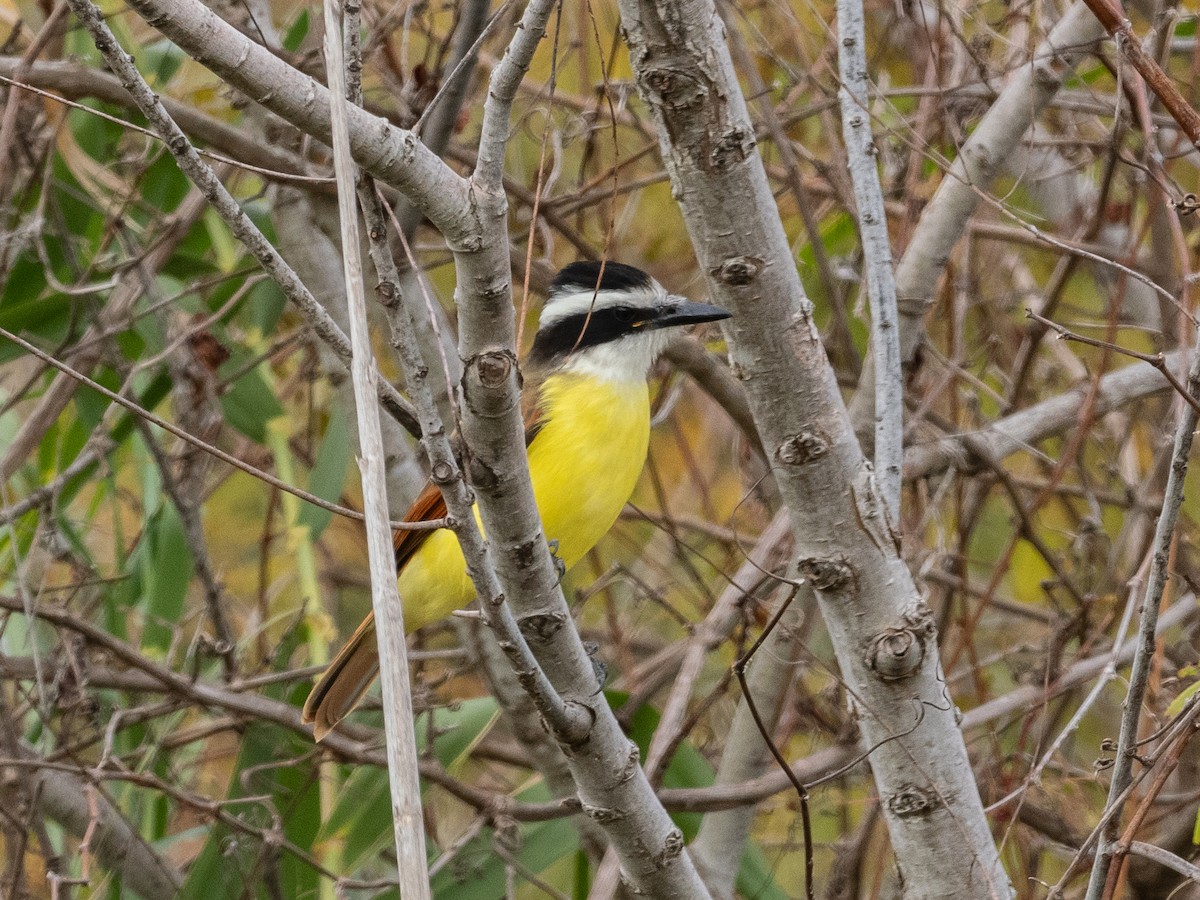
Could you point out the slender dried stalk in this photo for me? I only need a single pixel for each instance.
(408, 823)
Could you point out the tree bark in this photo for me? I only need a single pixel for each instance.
(882, 631)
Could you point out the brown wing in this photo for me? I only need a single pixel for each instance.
(429, 505)
(342, 685)
(351, 672)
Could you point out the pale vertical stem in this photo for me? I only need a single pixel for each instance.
(1127, 746)
(398, 725)
(877, 251)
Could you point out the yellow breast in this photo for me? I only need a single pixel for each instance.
(584, 464)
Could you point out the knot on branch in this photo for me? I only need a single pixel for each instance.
(508, 832)
(673, 86)
(633, 759)
(913, 307)
(802, 448)
(911, 801)
(895, 653)
(441, 472)
(483, 476)
(525, 554)
(731, 148)
(898, 652)
(541, 627)
(387, 294)
(671, 848)
(574, 727)
(409, 142)
(602, 814)
(826, 574)
(738, 271)
(494, 367)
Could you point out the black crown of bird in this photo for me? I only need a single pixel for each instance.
(600, 330)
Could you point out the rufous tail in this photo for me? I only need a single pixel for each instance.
(344, 682)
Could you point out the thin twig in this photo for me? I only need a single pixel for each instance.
(1166, 858)
(1158, 360)
(1116, 23)
(220, 454)
(739, 669)
(1122, 771)
(877, 252)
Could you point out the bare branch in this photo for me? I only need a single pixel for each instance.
(118, 846)
(1131, 717)
(844, 542)
(944, 220)
(877, 252)
(1115, 22)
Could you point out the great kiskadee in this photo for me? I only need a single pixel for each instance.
(587, 431)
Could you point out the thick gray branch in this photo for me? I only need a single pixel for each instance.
(393, 155)
(882, 631)
(612, 786)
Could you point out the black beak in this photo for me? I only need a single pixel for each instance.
(685, 312)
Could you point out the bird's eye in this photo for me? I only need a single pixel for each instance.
(624, 314)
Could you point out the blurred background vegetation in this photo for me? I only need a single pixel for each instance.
(181, 606)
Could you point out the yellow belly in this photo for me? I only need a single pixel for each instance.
(584, 464)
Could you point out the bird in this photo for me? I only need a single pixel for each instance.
(587, 433)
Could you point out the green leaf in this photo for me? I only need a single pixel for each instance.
(161, 60)
(90, 404)
(1182, 699)
(163, 184)
(755, 878)
(296, 32)
(264, 305)
(165, 577)
(478, 873)
(231, 865)
(98, 137)
(249, 405)
(47, 318)
(363, 815)
(328, 475)
(689, 768)
(223, 246)
(147, 399)
(25, 282)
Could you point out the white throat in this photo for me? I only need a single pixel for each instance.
(626, 359)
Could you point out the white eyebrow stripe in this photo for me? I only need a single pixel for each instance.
(564, 306)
